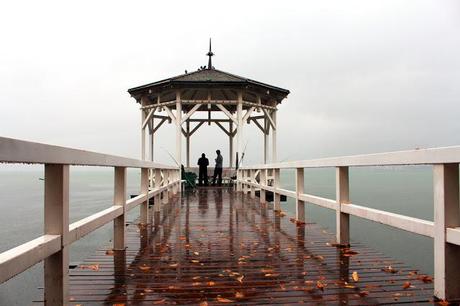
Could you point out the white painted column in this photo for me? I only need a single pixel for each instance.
(274, 130)
(300, 205)
(266, 133)
(276, 185)
(119, 200)
(446, 214)
(263, 182)
(252, 179)
(142, 135)
(178, 128)
(56, 267)
(342, 197)
(239, 133)
(157, 199)
(144, 209)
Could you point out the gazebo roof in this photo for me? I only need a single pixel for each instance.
(209, 77)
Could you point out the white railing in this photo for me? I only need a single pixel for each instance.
(446, 226)
(53, 246)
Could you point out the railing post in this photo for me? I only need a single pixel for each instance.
(56, 268)
(446, 214)
(238, 178)
(144, 209)
(157, 198)
(276, 185)
(342, 198)
(119, 200)
(252, 180)
(165, 183)
(263, 183)
(300, 205)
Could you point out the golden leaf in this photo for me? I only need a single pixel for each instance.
(159, 302)
(223, 300)
(355, 276)
(211, 283)
(320, 285)
(240, 279)
(144, 267)
(406, 285)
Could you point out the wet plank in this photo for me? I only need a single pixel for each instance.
(215, 246)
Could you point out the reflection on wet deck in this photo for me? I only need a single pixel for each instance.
(215, 246)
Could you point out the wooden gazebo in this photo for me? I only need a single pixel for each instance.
(176, 99)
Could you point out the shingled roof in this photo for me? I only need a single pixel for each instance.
(206, 77)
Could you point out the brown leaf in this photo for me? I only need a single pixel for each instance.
(144, 268)
(204, 303)
(109, 252)
(239, 295)
(443, 303)
(159, 302)
(425, 278)
(390, 269)
(223, 300)
(240, 278)
(320, 285)
(406, 285)
(363, 293)
(173, 265)
(196, 253)
(355, 276)
(90, 267)
(211, 283)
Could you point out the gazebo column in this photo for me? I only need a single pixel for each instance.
(266, 133)
(142, 135)
(178, 129)
(239, 134)
(274, 152)
(187, 143)
(230, 144)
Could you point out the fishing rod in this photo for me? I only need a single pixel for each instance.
(180, 166)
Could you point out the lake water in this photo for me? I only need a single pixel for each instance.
(404, 190)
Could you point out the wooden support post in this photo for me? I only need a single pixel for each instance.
(276, 185)
(144, 218)
(446, 214)
(178, 128)
(300, 205)
(119, 199)
(274, 149)
(342, 198)
(266, 132)
(157, 199)
(165, 183)
(252, 179)
(56, 268)
(263, 182)
(142, 135)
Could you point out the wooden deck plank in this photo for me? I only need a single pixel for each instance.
(215, 246)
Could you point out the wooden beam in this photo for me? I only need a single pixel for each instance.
(248, 113)
(159, 124)
(119, 199)
(226, 112)
(259, 125)
(270, 120)
(170, 114)
(147, 119)
(196, 127)
(222, 128)
(160, 117)
(191, 112)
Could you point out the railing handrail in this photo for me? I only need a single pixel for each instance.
(21, 151)
(430, 156)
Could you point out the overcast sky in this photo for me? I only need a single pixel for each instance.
(365, 76)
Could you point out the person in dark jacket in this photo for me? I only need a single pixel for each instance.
(203, 163)
(218, 169)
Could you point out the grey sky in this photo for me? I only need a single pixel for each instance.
(365, 76)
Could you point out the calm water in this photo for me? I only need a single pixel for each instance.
(405, 190)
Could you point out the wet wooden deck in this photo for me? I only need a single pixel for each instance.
(214, 246)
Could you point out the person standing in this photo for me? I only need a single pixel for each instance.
(203, 164)
(218, 169)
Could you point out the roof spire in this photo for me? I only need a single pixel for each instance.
(210, 55)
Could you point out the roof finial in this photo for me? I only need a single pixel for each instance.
(210, 54)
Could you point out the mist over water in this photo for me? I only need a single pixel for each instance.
(404, 190)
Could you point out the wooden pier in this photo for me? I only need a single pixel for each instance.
(215, 246)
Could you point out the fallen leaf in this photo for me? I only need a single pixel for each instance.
(239, 295)
(211, 283)
(196, 253)
(425, 278)
(240, 279)
(223, 300)
(443, 303)
(390, 269)
(196, 277)
(355, 276)
(144, 268)
(406, 285)
(204, 303)
(159, 302)
(173, 265)
(363, 293)
(195, 261)
(90, 267)
(109, 252)
(320, 285)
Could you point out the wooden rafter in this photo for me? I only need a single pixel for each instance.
(270, 120)
(147, 119)
(191, 112)
(196, 128)
(159, 124)
(226, 112)
(222, 128)
(170, 114)
(248, 113)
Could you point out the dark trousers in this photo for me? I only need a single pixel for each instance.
(203, 176)
(217, 173)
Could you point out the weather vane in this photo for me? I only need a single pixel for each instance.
(210, 55)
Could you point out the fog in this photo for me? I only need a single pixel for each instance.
(364, 76)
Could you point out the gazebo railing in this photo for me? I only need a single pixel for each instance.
(53, 246)
(446, 226)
